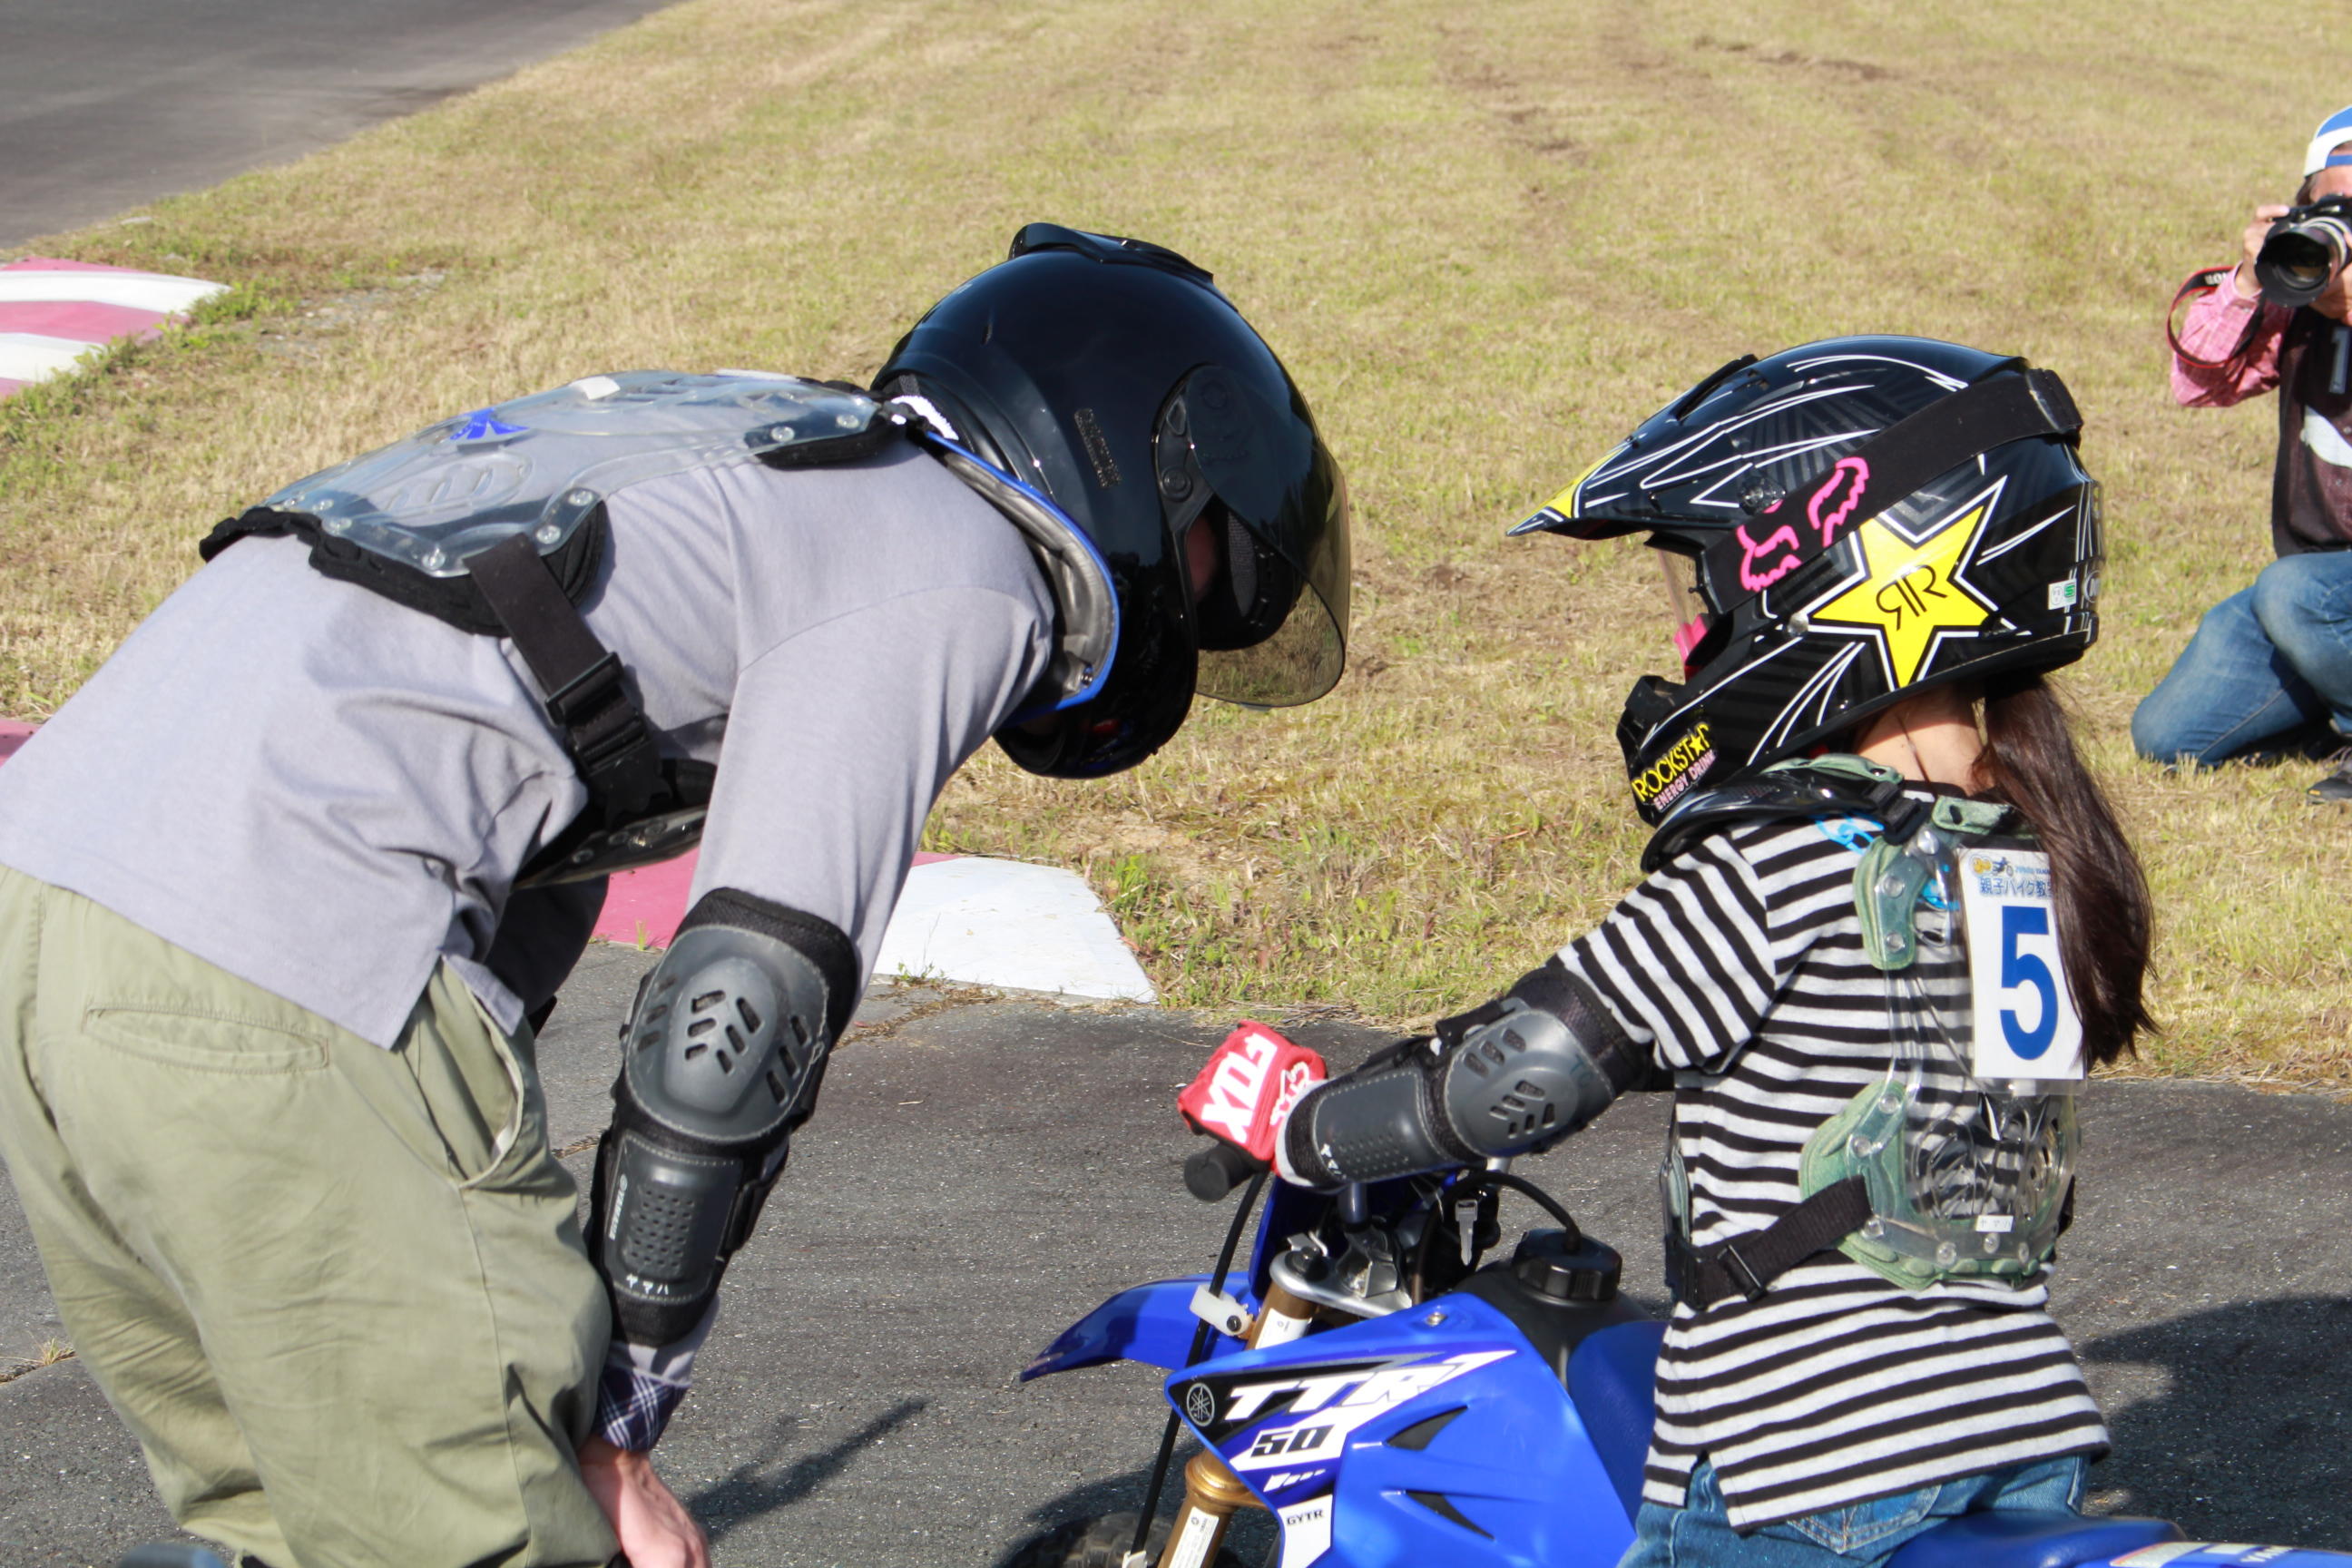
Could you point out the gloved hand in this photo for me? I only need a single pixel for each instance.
(1248, 1089)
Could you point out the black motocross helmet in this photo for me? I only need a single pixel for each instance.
(1841, 525)
(1112, 376)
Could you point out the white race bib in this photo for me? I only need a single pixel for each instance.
(2026, 1025)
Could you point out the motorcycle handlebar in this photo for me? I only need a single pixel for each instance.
(1217, 1169)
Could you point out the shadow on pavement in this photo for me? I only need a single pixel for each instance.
(746, 1493)
(1251, 1536)
(2249, 1436)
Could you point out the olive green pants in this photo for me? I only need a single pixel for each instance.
(337, 1292)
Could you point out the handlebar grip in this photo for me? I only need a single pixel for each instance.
(1217, 1169)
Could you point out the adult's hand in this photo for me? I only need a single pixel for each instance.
(654, 1529)
(2256, 232)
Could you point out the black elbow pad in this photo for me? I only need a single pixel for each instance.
(1511, 1077)
(721, 1061)
(1530, 1069)
(1378, 1121)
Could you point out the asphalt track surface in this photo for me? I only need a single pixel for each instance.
(982, 1172)
(106, 104)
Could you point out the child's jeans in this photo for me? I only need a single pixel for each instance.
(1860, 1536)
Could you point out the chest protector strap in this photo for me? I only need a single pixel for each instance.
(608, 737)
(642, 807)
(1704, 1276)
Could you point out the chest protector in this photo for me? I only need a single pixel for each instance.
(1966, 1145)
(1958, 1162)
(494, 522)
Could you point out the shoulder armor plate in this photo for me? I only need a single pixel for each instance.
(542, 464)
(1835, 785)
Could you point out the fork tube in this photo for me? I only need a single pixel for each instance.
(1281, 1319)
(1213, 1492)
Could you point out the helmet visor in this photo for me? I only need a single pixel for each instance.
(1251, 493)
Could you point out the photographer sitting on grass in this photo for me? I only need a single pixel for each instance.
(2270, 670)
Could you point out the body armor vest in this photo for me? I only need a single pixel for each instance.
(494, 521)
(1958, 1163)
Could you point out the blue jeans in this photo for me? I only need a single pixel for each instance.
(1861, 1535)
(2265, 663)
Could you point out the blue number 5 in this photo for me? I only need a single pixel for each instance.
(2024, 969)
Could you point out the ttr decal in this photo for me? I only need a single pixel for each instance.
(1326, 1408)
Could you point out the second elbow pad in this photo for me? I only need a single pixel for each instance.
(1528, 1077)
(1511, 1077)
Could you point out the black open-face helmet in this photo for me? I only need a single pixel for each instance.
(1841, 525)
(1111, 377)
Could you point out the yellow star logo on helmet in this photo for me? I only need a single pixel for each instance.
(1911, 593)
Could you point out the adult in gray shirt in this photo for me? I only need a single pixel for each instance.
(281, 887)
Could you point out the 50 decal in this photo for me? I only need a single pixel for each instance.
(1291, 1440)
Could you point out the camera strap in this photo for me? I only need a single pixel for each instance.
(2197, 287)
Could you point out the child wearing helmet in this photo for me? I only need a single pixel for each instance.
(1890, 921)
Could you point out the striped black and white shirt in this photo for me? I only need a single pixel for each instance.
(1740, 965)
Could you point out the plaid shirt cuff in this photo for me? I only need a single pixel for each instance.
(634, 1405)
(643, 1385)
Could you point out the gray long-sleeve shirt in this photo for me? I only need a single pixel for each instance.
(327, 794)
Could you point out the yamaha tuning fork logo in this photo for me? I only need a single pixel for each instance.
(1200, 1404)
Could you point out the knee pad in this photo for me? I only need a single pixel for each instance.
(721, 1061)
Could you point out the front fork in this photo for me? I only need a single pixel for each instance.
(1212, 1493)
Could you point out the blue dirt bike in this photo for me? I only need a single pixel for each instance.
(1395, 1405)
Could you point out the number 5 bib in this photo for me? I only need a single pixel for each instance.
(2026, 1028)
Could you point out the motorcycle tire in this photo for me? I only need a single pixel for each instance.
(1099, 1543)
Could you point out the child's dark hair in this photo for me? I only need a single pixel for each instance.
(2103, 912)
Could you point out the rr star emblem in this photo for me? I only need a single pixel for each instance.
(1911, 592)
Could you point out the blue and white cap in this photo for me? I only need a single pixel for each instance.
(2331, 145)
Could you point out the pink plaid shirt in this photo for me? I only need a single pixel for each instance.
(2211, 331)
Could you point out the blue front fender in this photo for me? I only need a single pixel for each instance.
(1152, 1324)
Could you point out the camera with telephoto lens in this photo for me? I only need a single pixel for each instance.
(2304, 251)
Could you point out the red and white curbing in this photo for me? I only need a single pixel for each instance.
(961, 918)
(53, 312)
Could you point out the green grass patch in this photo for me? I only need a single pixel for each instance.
(1487, 239)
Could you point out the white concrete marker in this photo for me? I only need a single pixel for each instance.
(1001, 923)
(52, 312)
(157, 291)
(34, 356)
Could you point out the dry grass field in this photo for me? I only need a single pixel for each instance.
(1488, 237)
